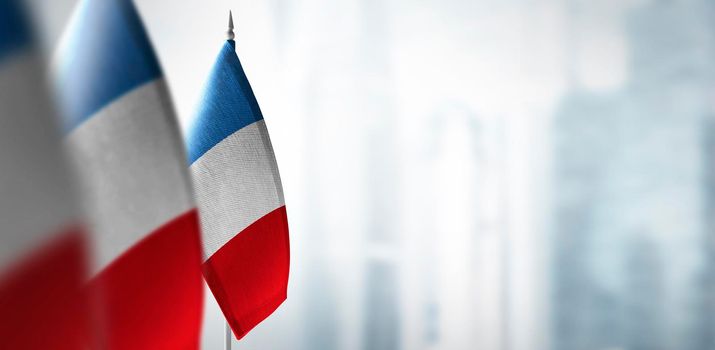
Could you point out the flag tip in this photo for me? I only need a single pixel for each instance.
(230, 33)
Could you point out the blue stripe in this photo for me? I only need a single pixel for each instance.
(107, 54)
(14, 31)
(228, 104)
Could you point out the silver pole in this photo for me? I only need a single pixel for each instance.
(227, 336)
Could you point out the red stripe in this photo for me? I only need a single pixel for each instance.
(151, 296)
(249, 274)
(42, 299)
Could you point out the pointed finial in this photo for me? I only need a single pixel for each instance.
(230, 33)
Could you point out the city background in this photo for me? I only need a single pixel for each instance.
(482, 174)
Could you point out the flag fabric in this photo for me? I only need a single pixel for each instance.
(123, 138)
(43, 262)
(240, 198)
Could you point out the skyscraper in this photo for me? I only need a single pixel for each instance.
(630, 200)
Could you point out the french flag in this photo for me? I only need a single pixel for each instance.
(124, 141)
(240, 198)
(43, 262)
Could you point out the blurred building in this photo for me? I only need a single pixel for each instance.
(382, 318)
(629, 268)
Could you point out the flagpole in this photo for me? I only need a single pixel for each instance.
(230, 35)
(227, 336)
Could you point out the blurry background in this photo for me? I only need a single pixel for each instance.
(482, 174)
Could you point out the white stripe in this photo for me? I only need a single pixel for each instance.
(36, 199)
(236, 183)
(133, 169)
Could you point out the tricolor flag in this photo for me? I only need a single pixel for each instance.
(42, 245)
(124, 140)
(240, 198)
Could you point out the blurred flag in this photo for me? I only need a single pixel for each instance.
(124, 140)
(42, 256)
(240, 198)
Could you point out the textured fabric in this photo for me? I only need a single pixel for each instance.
(14, 32)
(227, 106)
(123, 138)
(132, 169)
(105, 55)
(151, 296)
(42, 244)
(43, 304)
(229, 206)
(249, 274)
(240, 199)
(36, 198)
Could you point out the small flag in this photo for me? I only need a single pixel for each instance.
(43, 262)
(124, 140)
(240, 198)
